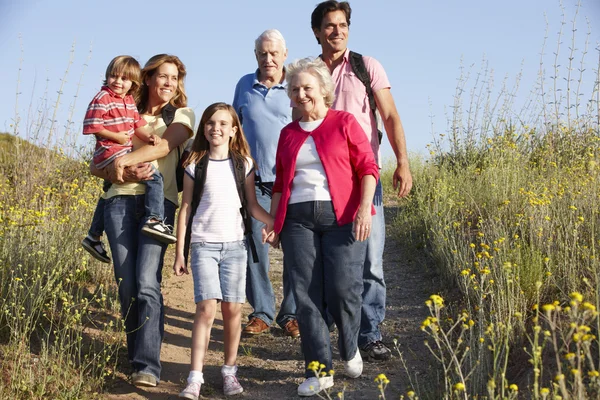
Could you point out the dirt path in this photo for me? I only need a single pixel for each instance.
(271, 365)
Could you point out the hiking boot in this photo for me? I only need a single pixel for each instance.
(256, 326)
(314, 385)
(231, 385)
(376, 351)
(191, 391)
(159, 231)
(291, 328)
(354, 367)
(96, 249)
(143, 379)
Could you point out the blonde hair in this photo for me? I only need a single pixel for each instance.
(180, 98)
(317, 68)
(238, 146)
(128, 67)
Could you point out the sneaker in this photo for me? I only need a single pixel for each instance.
(376, 351)
(231, 385)
(143, 379)
(96, 249)
(292, 329)
(191, 391)
(354, 366)
(314, 385)
(256, 326)
(159, 231)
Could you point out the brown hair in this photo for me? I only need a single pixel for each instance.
(238, 146)
(322, 9)
(180, 98)
(128, 67)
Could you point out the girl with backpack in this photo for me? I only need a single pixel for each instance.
(218, 198)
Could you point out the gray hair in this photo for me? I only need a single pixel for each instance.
(270, 34)
(317, 68)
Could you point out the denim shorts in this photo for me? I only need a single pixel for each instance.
(219, 271)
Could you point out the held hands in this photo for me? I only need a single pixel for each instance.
(362, 224)
(154, 140)
(269, 236)
(180, 267)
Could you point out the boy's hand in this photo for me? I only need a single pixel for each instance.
(123, 137)
(154, 140)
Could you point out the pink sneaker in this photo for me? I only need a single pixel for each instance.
(191, 391)
(231, 385)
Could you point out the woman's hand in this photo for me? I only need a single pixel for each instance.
(180, 267)
(362, 223)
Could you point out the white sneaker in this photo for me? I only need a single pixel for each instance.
(354, 366)
(312, 386)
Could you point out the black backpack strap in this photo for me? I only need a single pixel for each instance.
(199, 181)
(168, 113)
(360, 70)
(239, 170)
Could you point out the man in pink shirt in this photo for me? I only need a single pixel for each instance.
(330, 22)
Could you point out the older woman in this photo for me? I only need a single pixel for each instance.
(322, 203)
(137, 258)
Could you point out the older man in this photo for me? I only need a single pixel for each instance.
(330, 22)
(263, 106)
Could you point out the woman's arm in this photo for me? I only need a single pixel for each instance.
(362, 221)
(175, 135)
(180, 266)
(135, 173)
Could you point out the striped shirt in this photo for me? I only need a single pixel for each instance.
(109, 111)
(218, 218)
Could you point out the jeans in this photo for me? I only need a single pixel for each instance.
(373, 296)
(326, 268)
(259, 290)
(154, 206)
(97, 225)
(138, 261)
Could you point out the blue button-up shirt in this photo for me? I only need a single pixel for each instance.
(263, 112)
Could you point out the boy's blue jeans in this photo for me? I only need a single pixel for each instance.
(154, 205)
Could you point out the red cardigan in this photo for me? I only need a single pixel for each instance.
(346, 156)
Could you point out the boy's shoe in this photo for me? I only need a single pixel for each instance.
(96, 249)
(143, 379)
(191, 391)
(159, 231)
(354, 367)
(314, 385)
(231, 385)
(376, 351)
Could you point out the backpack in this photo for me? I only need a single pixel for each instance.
(239, 171)
(168, 115)
(360, 70)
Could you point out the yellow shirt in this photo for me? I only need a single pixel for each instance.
(167, 164)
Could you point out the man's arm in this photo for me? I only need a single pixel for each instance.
(395, 133)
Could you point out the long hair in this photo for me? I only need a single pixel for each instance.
(180, 98)
(238, 146)
(128, 67)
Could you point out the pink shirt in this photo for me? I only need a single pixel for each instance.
(351, 95)
(346, 156)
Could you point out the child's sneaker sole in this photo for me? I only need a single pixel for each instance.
(160, 236)
(89, 246)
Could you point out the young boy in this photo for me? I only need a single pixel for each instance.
(113, 118)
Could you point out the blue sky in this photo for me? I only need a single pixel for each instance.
(419, 43)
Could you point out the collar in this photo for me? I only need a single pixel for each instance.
(113, 94)
(282, 84)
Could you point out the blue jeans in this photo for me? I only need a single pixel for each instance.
(259, 290)
(154, 205)
(373, 296)
(326, 268)
(138, 261)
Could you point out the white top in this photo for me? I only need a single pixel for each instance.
(310, 181)
(218, 217)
